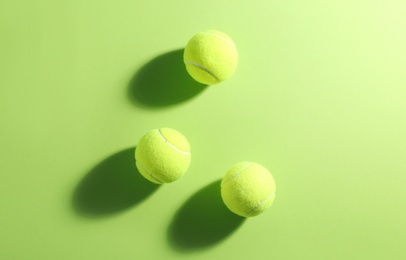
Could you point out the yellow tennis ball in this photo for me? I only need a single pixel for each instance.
(248, 189)
(210, 57)
(162, 155)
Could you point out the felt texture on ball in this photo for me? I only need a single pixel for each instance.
(248, 189)
(162, 155)
(210, 57)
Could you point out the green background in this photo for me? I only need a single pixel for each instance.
(318, 98)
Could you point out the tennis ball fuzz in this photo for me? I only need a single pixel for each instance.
(162, 155)
(210, 57)
(248, 189)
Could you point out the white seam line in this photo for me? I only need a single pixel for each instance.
(220, 37)
(171, 145)
(203, 68)
(260, 203)
(238, 173)
(150, 174)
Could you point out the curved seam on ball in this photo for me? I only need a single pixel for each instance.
(220, 37)
(171, 145)
(203, 68)
(149, 173)
(237, 174)
(260, 203)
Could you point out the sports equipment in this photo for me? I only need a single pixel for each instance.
(162, 155)
(248, 189)
(210, 57)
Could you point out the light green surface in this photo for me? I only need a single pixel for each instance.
(318, 98)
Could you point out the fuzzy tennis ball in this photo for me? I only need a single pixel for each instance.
(210, 57)
(162, 155)
(248, 189)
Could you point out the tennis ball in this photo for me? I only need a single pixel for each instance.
(210, 57)
(162, 155)
(248, 189)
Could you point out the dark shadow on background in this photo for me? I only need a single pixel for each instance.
(111, 186)
(202, 221)
(163, 81)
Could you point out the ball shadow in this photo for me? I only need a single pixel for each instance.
(202, 221)
(163, 81)
(111, 186)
